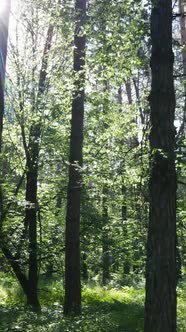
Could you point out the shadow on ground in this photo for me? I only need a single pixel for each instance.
(97, 316)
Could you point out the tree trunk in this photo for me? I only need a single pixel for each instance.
(126, 263)
(126, 266)
(31, 221)
(32, 155)
(72, 303)
(160, 303)
(84, 268)
(105, 240)
(31, 181)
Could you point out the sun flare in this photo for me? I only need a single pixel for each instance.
(3, 5)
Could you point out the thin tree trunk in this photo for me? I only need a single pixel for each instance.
(106, 262)
(31, 182)
(160, 303)
(72, 303)
(84, 268)
(105, 240)
(126, 264)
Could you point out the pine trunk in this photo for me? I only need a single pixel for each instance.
(160, 303)
(72, 303)
(31, 221)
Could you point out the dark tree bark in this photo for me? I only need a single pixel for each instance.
(126, 265)
(31, 221)
(84, 268)
(105, 240)
(160, 303)
(72, 303)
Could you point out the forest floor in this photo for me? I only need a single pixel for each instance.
(103, 310)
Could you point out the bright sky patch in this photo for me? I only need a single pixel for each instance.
(3, 5)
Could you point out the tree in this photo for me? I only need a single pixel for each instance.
(160, 303)
(72, 304)
(31, 139)
(32, 160)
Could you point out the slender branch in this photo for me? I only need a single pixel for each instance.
(181, 182)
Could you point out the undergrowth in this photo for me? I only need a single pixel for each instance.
(103, 310)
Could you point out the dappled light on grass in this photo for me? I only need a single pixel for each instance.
(125, 294)
(124, 307)
(104, 310)
(3, 295)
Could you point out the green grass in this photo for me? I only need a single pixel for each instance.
(181, 307)
(122, 309)
(103, 310)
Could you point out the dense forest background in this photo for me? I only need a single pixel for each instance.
(94, 54)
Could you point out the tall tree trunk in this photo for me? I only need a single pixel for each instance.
(31, 219)
(126, 264)
(83, 247)
(105, 193)
(31, 180)
(105, 239)
(72, 303)
(160, 303)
